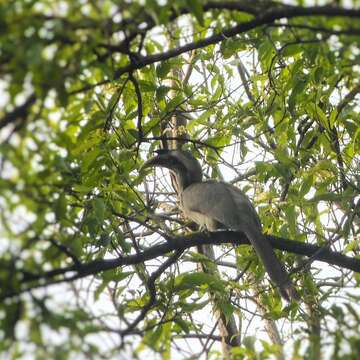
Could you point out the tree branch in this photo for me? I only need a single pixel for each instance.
(152, 290)
(19, 113)
(180, 243)
(267, 17)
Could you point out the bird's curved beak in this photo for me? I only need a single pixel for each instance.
(162, 159)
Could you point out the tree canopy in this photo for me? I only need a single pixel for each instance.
(96, 258)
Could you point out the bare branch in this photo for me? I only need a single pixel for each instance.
(152, 290)
(269, 16)
(19, 113)
(182, 243)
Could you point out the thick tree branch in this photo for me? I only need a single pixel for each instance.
(349, 32)
(19, 113)
(347, 99)
(181, 243)
(267, 17)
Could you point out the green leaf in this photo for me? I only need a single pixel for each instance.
(316, 112)
(82, 188)
(163, 69)
(60, 207)
(333, 117)
(352, 246)
(196, 9)
(89, 158)
(92, 225)
(296, 92)
(35, 332)
(161, 92)
(147, 86)
(227, 309)
(105, 239)
(117, 275)
(282, 157)
(13, 314)
(318, 75)
(193, 280)
(306, 185)
(327, 197)
(174, 103)
(95, 138)
(184, 325)
(99, 290)
(134, 133)
(152, 337)
(108, 276)
(112, 102)
(194, 306)
(249, 342)
(291, 219)
(99, 209)
(266, 53)
(232, 46)
(292, 50)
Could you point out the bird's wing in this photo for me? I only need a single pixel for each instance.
(221, 202)
(216, 202)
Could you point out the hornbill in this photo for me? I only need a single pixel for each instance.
(218, 205)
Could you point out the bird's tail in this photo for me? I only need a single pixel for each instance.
(272, 264)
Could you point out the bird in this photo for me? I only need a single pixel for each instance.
(216, 205)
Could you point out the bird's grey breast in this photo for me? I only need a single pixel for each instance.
(194, 203)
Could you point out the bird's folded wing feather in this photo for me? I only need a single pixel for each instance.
(222, 202)
(226, 204)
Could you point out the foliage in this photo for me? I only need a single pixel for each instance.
(89, 90)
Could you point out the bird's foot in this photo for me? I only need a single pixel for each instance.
(203, 229)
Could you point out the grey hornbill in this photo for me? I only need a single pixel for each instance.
(217, 205)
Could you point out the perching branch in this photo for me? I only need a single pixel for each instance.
(181, 243)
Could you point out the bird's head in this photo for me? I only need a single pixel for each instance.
(183, 164)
